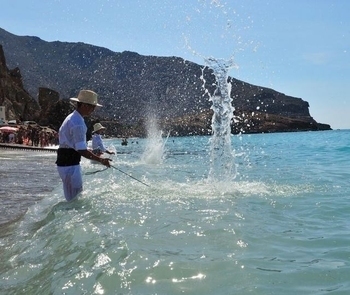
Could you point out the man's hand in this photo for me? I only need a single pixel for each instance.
(105, 161)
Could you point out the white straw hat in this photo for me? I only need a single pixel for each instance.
(87, 96)
(98, 127)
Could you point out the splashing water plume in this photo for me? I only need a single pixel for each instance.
(154, 150)
(222, 166)
(222, 157)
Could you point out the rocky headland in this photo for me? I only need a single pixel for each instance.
(39, 77)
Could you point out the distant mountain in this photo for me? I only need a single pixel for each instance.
(133, 87)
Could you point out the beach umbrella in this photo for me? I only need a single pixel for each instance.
(8, 129)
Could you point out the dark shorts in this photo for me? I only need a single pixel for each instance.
(67, 157)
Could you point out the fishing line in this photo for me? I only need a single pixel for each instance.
(93, 172)
(129, 175)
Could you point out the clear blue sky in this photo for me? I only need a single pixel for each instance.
(298, 47)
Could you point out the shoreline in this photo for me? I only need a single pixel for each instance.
(15, 146)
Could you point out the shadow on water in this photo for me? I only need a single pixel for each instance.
(62, 206)
(6, 228)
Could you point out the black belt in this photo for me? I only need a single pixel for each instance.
(67, 157)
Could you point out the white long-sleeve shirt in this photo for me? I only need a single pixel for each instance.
(72, 132)
(97, 143)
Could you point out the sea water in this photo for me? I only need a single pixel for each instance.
(280, 226)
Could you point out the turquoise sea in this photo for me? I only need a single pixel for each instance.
(279, 225)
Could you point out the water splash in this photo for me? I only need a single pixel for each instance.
(222, 155)
(155, 145)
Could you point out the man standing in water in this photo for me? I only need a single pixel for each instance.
(73, 144)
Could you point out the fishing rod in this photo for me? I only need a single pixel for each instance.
(93, 172)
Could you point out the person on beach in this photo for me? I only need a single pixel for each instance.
(98, 147)
(73, 144)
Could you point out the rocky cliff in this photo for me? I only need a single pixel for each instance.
(48, 109)
(133, 88)
(18, 102)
